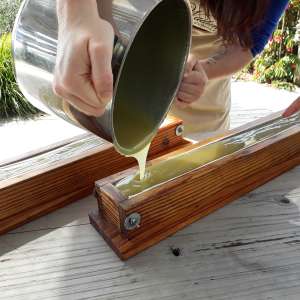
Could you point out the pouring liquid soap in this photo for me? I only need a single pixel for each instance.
(141, 130)
(141, 158)
(142, 155)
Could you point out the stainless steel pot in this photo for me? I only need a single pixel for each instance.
(151, 47)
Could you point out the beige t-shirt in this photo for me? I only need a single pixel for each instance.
(210, 113)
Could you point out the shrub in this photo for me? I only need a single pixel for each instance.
(279, 63)
(8, 11)
(12, 102)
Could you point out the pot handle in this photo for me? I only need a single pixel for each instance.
(117, 57)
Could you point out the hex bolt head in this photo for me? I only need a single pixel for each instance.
(179, 130)
(132, 221)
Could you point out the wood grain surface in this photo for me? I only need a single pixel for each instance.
(54, 179)
(173, 205)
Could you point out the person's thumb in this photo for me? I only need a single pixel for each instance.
(191, 62)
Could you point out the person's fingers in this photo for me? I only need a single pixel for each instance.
(79, 87)
(191, 89)
(193, 82)
(72, 76)
(101, 70)
(84, 89)
(192, 86)
(78, 103)
(83, 72)
(180, 104)
(83, 107)
(194, 77)
(293, 108)
(187, 98)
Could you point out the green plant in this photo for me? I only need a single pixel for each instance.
(279, 63)
(12, 102)
(284, 85)
(8, 11)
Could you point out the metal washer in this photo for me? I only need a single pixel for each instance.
(132, 221)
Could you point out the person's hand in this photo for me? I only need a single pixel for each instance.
(193, 83)
(83, 73)
(293, 108)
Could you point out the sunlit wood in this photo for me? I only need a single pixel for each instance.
(168, 207)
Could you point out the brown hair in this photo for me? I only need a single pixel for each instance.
(236, 18)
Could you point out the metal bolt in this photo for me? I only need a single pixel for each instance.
(132, 221)
(179, 130)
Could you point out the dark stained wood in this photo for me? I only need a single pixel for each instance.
(30, 195)
(167, 208)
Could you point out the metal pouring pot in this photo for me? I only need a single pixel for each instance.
(152, 42)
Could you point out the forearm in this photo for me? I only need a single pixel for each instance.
(68, 11)
(71, 11)
(233, 59)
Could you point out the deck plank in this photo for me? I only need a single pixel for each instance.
(247, 250)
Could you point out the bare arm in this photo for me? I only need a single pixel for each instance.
(230, 61)
(198, 72)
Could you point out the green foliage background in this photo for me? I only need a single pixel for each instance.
(8, 11)
(12, 102)
(279, 64)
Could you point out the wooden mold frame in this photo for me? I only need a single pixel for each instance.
(130, 225)
(52, 178)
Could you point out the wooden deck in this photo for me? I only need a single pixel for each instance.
(248, 250)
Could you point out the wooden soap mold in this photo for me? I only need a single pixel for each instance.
(36, 193)
(169, 207)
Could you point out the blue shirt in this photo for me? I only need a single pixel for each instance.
(263, 32)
